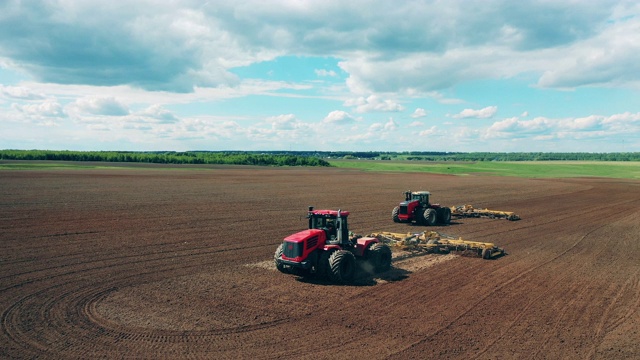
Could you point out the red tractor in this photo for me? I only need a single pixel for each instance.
(417, 208)
(326, 249)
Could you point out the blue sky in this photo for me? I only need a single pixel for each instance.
(465, 75)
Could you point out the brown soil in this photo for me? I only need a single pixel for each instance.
(177, 263)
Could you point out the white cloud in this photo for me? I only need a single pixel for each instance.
(283, 122)
(158, 114)
(483, 113)
(428, 132)
(419, 113)
(108, 106)
(178, 46)
(624, 118)
(391, 125)
(48, 108)
(373, 103)
(338, 117)
(608, 59)
(324, 73)
(542, 128)
(20, 92)
(502, 128)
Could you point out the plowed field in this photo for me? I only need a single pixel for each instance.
(177, 263)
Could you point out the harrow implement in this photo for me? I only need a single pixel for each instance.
(434, 242)
(470, 211)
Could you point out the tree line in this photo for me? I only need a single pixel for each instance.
(469, 156)
(167, 157)
(301, 158)
(526, 156)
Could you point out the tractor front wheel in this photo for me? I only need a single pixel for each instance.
(342, 266)
(322, 269)
(276, 258)
(394, 214)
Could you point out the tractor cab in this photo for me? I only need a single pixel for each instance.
(333, 222)
(421, 196)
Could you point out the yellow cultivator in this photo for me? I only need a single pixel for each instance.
(470, 211)
(434, 242)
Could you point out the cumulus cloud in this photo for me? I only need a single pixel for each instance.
(283, 122)
(373, 103)
(543, 128)
(167, 47)
(483, 113)
(107, 106)
(610, 58)
(158, 114)
(179, 46)
(20, 93)
(338, 117)
(48, 108)
(500, 41)
(390, 125)
(419, 113)
(428, 132)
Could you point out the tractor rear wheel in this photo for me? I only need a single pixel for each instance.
(486, 254)
(342, 266)
(379, 256)
(430, 217)
(444, 215)
(394, 214)
(276, 259)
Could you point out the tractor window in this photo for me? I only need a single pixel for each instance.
(317, 223)
(331, 228)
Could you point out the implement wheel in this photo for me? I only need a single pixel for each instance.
(486, 254)
(342, 266)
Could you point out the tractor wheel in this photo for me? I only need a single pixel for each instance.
(342, 266)
(445, 215)
(276, 258)
(379, 256)
(322, 269)
(394, 214)
(430, 217)
(486, 254)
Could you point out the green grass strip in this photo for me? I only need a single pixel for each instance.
(525, 169)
